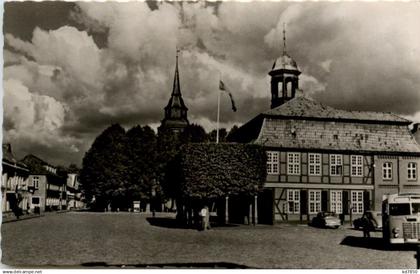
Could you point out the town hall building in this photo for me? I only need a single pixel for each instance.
(324, 159)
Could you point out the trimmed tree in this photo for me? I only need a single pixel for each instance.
(206, 172)
(169, 145)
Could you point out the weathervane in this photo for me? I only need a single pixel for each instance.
(177, 52)
(284, 38)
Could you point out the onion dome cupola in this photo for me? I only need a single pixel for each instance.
(284, 77)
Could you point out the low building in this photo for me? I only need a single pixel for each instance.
(324, 159)
(49, 188)
(14, 184)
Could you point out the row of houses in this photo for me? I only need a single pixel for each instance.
(33, 185)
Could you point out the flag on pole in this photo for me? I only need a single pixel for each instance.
(223, 88)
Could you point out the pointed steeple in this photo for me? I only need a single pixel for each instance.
(175, 111)
(176, 90)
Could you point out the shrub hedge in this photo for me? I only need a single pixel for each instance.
(207, 171)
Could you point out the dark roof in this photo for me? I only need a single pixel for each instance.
(175, 111)
(285, 62)
(9, 157)
(7, 154)
(337, 136)
(36, 165)
(304, 108)
(176, 100)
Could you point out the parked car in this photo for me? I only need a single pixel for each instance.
(326, 219)
(375, 218)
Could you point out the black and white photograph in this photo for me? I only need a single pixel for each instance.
(211, 135)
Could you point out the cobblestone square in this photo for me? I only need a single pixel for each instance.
(130, 239)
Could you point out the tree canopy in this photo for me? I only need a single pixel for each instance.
(124, 166)
(105, 166)
(142, 152)
(212, 171)
(212, 136)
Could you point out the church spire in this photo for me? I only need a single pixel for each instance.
(176, 90)
(175, 111)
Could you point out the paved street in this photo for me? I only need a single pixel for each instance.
(99, 239)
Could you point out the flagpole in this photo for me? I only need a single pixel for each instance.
(218, 113)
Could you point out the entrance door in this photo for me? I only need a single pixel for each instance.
(266, 206)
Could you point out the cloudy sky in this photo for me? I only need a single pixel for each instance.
(73, 69)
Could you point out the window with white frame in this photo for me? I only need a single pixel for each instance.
(293, 163)
(35, 181)
(336, 201)
(314, 167)
(387, 171)
(293, 201)
(356, 165)
(357, 201)
(272, 162)
(412, 171)
(314, 201)
(336, 165)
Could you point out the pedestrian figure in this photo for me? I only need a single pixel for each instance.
(341, 216)
(205, 218)
(366, 225)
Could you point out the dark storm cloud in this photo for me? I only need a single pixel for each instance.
(46, 15)
(73, 69)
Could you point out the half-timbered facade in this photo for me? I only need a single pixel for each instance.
(324, 159)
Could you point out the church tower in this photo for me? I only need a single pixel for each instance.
(284, 78)
(175, 118)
